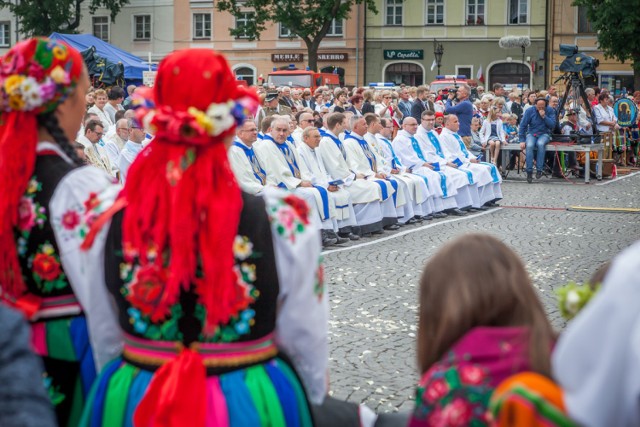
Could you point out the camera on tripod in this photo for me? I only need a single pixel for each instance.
(577, 62)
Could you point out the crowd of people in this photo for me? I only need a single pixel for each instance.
(179, 281)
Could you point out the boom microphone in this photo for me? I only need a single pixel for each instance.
(512, 42)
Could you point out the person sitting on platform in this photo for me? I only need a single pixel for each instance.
(535, 133)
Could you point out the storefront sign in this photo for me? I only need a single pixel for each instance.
(287, 57)
(404, 54)
(335, 57)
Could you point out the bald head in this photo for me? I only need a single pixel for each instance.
(410, 125)
(451, 122)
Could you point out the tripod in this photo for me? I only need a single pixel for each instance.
(575, 90)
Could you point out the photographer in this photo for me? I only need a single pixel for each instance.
(464, 110)
(535, 128)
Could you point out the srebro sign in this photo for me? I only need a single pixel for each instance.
(404, 54)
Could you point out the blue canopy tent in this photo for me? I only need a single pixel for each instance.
(133, 65)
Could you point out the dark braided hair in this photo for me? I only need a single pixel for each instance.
(50, 122)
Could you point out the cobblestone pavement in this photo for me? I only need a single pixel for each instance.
(374, 283)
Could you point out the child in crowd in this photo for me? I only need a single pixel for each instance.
(480, 321)
(439, 122)
(492, 132)
(477, 147)
(510, 126)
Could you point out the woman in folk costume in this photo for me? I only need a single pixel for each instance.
(219, 292)
(480, 322)
(47, 204)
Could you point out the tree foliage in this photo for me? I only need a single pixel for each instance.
(617, 23)
(308, 19)
(43, 17)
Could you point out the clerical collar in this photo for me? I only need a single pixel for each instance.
(239, 141)
(354, 135)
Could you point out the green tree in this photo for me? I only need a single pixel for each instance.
(617, 23)
(43, 17)
(308, 19)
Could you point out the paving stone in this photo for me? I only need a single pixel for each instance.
(374, 289)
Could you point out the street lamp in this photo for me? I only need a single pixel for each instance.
(438, 50)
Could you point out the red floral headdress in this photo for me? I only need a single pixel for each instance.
(183, 202)
(35, 76)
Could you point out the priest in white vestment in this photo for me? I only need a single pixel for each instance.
(130, 151)
(362, 159)
(428, 200)
(283, 166)
(246, 167)
(449, 184)
(338, 196)
(365, 195)
(482, 174)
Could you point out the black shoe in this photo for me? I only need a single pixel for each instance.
(378, 231)
(538, 174)
(351, 236)
(411, 221)
(328, 241)
(457, 212)
(342, 240)
(418, 219)
(439, 215)
(391, 227)
(427, 217)
(481, 208)
(529, 177)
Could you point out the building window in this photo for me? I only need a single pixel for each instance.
(518, 11)
(394, 12)
(142, 27)
(475, 12)
(202, 26)
(435, 12)
(404, 72)
(335, 30)
(465, 70)
(584, 26)
(285, 32)
(241, 23)
(246, 74)
(5, 34)
(100, 26)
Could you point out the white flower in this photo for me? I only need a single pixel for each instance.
(221, 118)
(572, 302)
(30, 90)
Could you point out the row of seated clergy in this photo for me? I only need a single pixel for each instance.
(355, 176)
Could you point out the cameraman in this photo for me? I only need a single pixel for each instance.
(535, 128)
(464, 110)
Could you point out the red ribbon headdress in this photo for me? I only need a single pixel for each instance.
(35, 77)
(183, 202)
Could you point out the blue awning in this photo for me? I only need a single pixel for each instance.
(133, 65)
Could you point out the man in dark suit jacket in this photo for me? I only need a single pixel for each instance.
(308, 101)
(419, 105)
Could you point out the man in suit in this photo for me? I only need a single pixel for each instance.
(421, 104)
(285, 98)
(308, 101)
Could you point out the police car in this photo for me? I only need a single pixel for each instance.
(446, 82)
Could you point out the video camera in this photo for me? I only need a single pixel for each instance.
(577, 62)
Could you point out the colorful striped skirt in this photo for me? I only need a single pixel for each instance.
(265, 393)
(63, 343)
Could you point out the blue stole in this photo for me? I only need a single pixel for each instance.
(260, 136)
(494, 171)
(338, 143)
(436, 166)
(395, 162)
(458, 162)
(417, 149)
(394, 184)
(323, 133)
(258, 172)
(367, 152)
(436, 144)
(288, 156)
(290, 139)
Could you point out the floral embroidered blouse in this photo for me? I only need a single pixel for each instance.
(456, 390)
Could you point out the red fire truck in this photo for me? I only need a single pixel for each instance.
(302, 79)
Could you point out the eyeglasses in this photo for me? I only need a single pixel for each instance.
(386, 97)
(388, 127)
(307, 121)
(98, 133)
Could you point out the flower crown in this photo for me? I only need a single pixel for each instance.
(194, 126)
(39, 84)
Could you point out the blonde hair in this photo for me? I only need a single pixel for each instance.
(99, 92)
